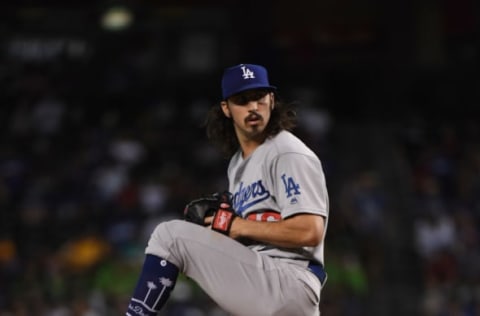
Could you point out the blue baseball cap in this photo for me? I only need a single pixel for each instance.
(244, 77)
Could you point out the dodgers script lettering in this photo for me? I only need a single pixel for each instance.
(249, 195)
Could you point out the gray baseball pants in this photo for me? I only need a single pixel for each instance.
(241, 281)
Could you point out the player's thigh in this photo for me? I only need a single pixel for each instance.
(240, 280)
(194, 248)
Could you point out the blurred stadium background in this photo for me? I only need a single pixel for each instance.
(101, 112)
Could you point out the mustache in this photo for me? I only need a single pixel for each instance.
(253, 116)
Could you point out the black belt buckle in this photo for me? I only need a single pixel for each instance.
(318, 270)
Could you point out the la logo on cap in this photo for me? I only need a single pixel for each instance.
(247, 73)
(244, 77)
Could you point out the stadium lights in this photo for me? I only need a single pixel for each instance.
(116, 18)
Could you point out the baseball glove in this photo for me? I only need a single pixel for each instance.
(198, 209)
(217, 205)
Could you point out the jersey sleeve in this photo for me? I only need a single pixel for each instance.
(299, 185)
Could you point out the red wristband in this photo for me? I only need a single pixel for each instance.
(222, 221)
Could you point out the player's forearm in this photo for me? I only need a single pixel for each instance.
(304, 230)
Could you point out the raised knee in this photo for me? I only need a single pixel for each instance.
(168, 231)
(165, 238)
(165, 229)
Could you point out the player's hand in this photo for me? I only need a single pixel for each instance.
(214, 211)
(223, 218)
(197, 210)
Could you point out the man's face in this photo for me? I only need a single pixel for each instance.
(250, 111)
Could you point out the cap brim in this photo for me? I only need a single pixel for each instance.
(250, 87)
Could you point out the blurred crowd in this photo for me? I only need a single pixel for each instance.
(82, 188)
(445, 180)
(83, 183)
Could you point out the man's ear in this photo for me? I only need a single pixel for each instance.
(225, 109)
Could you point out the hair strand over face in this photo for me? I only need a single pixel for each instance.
(221, 133)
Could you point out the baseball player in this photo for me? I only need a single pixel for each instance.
(256, 248)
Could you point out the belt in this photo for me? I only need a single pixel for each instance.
(317, 269)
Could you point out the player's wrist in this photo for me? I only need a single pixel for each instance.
(236, 228)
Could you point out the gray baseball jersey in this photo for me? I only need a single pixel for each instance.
(281, 178)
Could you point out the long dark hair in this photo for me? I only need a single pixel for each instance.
(221, 133)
